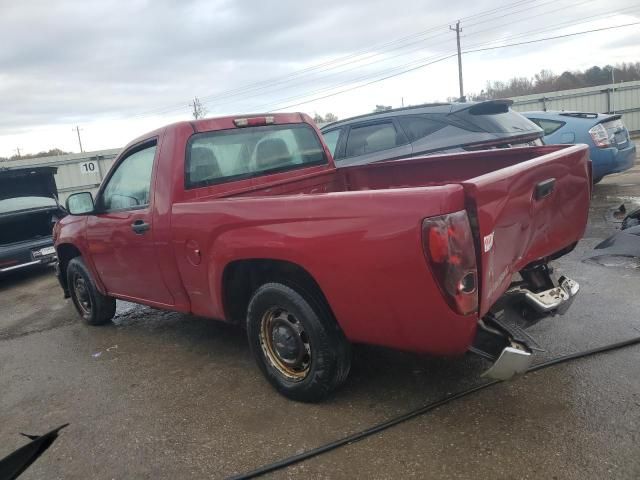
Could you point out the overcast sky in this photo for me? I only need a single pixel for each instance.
(120, 68)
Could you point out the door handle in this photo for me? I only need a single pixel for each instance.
(140, 226)
(544, 188)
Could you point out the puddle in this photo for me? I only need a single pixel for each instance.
(619, 261)
(623, 198)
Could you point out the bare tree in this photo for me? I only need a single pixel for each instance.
(330, 117)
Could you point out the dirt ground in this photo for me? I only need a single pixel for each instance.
(164, 395)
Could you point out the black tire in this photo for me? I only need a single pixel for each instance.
(311, 323)
(93, 307)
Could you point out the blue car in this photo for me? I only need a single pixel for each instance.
(610, 146)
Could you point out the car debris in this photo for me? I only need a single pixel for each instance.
(631, 220)
(622, 249)
(15, 463)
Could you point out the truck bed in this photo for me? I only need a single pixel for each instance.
(513, 227)
(410, 173)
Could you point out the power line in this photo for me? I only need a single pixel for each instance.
(298, 77)
(451, 56)
(376, 48)
(368, 83)
(570, 23)
(551, 38)
(277, 80)
(228, 98)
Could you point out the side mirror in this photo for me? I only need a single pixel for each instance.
(80, 203)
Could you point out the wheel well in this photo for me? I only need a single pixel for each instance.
(66, 252)
(243, 277)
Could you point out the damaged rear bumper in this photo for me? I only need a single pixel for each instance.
(555, 300)
(501, 337)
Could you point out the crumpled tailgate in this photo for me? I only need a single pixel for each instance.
(527, 212)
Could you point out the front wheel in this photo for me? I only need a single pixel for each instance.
(297, 343)
(93, 307)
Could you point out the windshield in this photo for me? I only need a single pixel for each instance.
(25, 203)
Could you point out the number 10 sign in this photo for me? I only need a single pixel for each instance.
(88, 168)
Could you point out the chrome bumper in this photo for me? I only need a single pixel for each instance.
(513, 361)
(28, 264)
(555, 300)
(516, 357)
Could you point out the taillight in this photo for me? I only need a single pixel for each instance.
(253, 122)
(448, 245)
(600, 136)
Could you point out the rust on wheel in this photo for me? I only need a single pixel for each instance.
(285, 343)
(83, 299)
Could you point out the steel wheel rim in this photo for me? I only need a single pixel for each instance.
(285, 343)
(83, 299)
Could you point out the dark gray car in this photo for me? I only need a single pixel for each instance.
(427, 129)
(28, 210)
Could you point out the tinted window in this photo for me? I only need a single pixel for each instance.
(216, 157)
(331, 139)
(371, 138)
(485, 121)
(129, 185)
(549, 126)
(417, 127)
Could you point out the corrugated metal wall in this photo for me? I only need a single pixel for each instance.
(621, 98)
(78, 172)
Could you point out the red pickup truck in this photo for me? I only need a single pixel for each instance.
(247, 220)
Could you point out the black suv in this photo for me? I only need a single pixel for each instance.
(427, 129)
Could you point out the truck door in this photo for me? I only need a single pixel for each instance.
(121, 235)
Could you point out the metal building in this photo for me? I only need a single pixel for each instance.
(621, 98)
(77, 172)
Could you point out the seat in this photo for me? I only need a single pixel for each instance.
(272, 153)
(203, 165)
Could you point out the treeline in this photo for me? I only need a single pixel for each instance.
(547, 81)
(328, 118)
(51, 153)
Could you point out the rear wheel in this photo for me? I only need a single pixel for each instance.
(93, 307)
(296, 342)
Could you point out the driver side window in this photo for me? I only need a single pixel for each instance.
(130, 184)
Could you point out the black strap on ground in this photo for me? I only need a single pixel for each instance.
(355, 437)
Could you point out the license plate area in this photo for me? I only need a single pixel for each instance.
(43, 253)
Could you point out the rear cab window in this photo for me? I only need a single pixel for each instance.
(227, 155)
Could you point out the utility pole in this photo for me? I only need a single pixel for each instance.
(199, 111)
(613, 91)
(77, 129)
(18, 150)
(458, 30)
